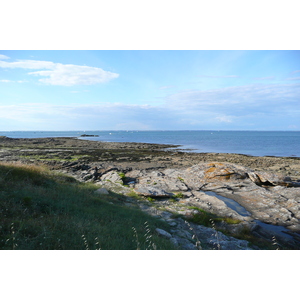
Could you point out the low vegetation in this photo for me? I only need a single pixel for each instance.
(208, 219)
(43, 210)
(205, 218)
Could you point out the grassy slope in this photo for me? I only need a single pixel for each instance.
(43, 210)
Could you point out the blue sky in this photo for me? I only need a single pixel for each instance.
(149, 90)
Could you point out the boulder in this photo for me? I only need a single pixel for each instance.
(272, 179)
(102, 191)
(112, 176)
(201, 174)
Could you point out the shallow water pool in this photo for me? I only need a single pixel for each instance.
(231, 204)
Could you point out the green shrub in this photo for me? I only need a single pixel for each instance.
(150, 199)
(178, 195)
(122, 175)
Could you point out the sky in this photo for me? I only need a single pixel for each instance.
(149, 90)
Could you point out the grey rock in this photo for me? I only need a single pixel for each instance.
(102, 191)
(112, 176)
(87, 177)
(268, 178)
(254, 177)
(148, 191)
(268, 197)
(174, 242)
(185, 244)
(173, 224)
(166, 215)
(168, 180)
(114, 187)
(199, 175)
(184, 234)
(163, 233)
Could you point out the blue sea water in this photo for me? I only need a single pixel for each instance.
(256, 143)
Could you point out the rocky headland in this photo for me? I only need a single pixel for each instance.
(211, 200)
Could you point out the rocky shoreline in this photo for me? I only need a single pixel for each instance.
(261, 194)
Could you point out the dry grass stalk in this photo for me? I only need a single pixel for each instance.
(217, 235)
(85, 242)
(194, 237)
(97, 243)
(275, 242)
(136, 239)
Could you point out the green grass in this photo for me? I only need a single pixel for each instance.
(122, 175)
(151, 199)
(204, 218)
(43, 210)
(229, 220)
(211, 220)
(134, 195)
(178, 195)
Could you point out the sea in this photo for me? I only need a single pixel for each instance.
(254, 143)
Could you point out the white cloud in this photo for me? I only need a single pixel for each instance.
(69, 75)
(241, 107)
(60, 74)
(5, 80)
(33, 116)
(3, 57)
(245, 107)
(238, 98)
(110, 116)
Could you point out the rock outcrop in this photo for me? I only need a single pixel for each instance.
(266, 197)
(224, 189)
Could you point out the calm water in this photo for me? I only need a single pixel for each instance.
(231, 204)
(257, 143)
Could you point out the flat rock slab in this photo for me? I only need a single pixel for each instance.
(151, 191)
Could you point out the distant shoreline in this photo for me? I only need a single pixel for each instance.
(132, 155)
(254, 143)
(87, 137)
